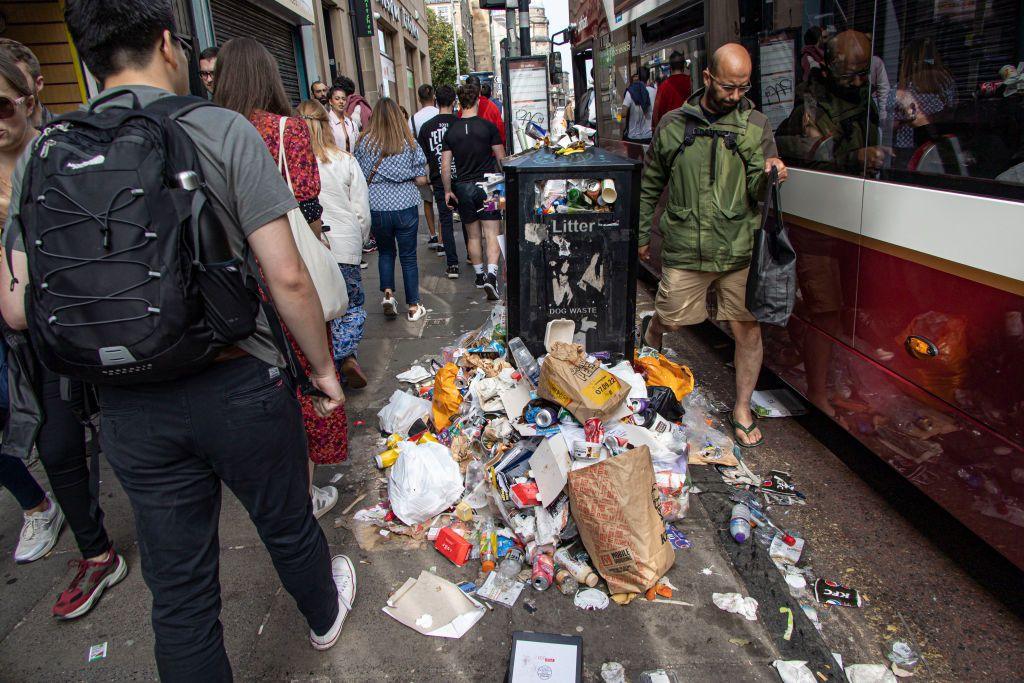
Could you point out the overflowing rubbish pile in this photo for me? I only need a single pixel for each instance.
(569, 471)
(541, 471)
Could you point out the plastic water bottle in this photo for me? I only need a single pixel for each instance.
(525, 361)
(476, 490)
(739, 525)
(511, 565)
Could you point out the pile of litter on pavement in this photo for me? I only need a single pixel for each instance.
(568, 471)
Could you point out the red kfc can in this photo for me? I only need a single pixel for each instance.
(593, 430)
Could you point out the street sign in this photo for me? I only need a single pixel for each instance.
(363, 14)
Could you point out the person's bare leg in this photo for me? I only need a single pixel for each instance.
(311, 466)
(42, 507)
(473, 244)
(749, 354)
(657, 330)
(491, 230)
(428, 211)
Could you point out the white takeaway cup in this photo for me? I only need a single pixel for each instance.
(608, 193)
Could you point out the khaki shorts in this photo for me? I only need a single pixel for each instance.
(682, 296)
(427, 192)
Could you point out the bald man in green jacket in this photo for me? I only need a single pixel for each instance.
(713, 154)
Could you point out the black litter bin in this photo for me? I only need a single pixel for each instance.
(578, 262)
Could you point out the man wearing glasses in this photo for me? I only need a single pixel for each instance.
(835, 128)
(207, 65)
(713, 154)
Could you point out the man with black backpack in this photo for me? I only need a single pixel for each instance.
(135, 235)
(714, 154)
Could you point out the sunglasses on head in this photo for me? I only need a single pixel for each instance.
(9, 107)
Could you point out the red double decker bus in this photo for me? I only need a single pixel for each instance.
(902, 122)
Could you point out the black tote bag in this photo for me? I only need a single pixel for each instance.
(771, 283)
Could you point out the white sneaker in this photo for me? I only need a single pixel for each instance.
(323, 500)
(416, 313)
(390, 306)
(39, 533)
(345, 579)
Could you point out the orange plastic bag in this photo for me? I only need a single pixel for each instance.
(661, 372)
(447, 398)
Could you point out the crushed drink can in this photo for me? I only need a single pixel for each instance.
(535, 131)
(593, 430)
(616, 444)
(832, 593)
(543, 571)
(638, 405)
(544, 417)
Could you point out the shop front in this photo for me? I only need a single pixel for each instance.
(40, 26)
(381, 45)
(276, 25)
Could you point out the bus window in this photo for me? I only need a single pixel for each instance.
(953, 116)
(814, 63)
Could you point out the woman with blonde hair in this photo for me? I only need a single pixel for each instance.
(394, 164)
(346, 216)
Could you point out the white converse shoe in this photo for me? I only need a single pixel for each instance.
(323, 500)
(345, 579)
(39, 533)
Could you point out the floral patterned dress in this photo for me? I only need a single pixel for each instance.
(327, 436)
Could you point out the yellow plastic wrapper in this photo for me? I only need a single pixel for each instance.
(447, 398)
(661, 372)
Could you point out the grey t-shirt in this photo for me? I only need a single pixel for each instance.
(244, 183)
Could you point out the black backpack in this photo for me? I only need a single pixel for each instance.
(132, 279)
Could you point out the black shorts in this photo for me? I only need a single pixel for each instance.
(471, 199)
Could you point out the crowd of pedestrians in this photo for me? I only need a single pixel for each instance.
(260, 413)
(269, 407)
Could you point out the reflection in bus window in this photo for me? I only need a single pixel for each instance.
(834, 125)
(955, 116)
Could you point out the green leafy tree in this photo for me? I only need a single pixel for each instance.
(441, 43)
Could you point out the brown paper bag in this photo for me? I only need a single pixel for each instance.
(613, 503)
(584, 389)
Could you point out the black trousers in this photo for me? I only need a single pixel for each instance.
(444, 212)
(172, 445)
(62, 450)
(15, 477)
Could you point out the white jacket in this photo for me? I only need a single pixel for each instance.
(346, 204)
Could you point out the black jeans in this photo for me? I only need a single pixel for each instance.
(15, 477)
(172, 445)
(451, 251)
(61, 444)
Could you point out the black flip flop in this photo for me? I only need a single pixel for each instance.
(645, 322)
(746, 430)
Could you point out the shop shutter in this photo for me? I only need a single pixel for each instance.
(238, 18)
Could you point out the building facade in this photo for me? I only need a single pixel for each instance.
(40, 26)
(459, 15)
(310, 39)
(393, 62)
(540, 38)
(483, 58)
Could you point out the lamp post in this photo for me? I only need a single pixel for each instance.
(455, 36)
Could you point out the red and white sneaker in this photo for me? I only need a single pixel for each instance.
(85, 589)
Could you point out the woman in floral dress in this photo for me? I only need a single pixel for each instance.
(248, 82)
